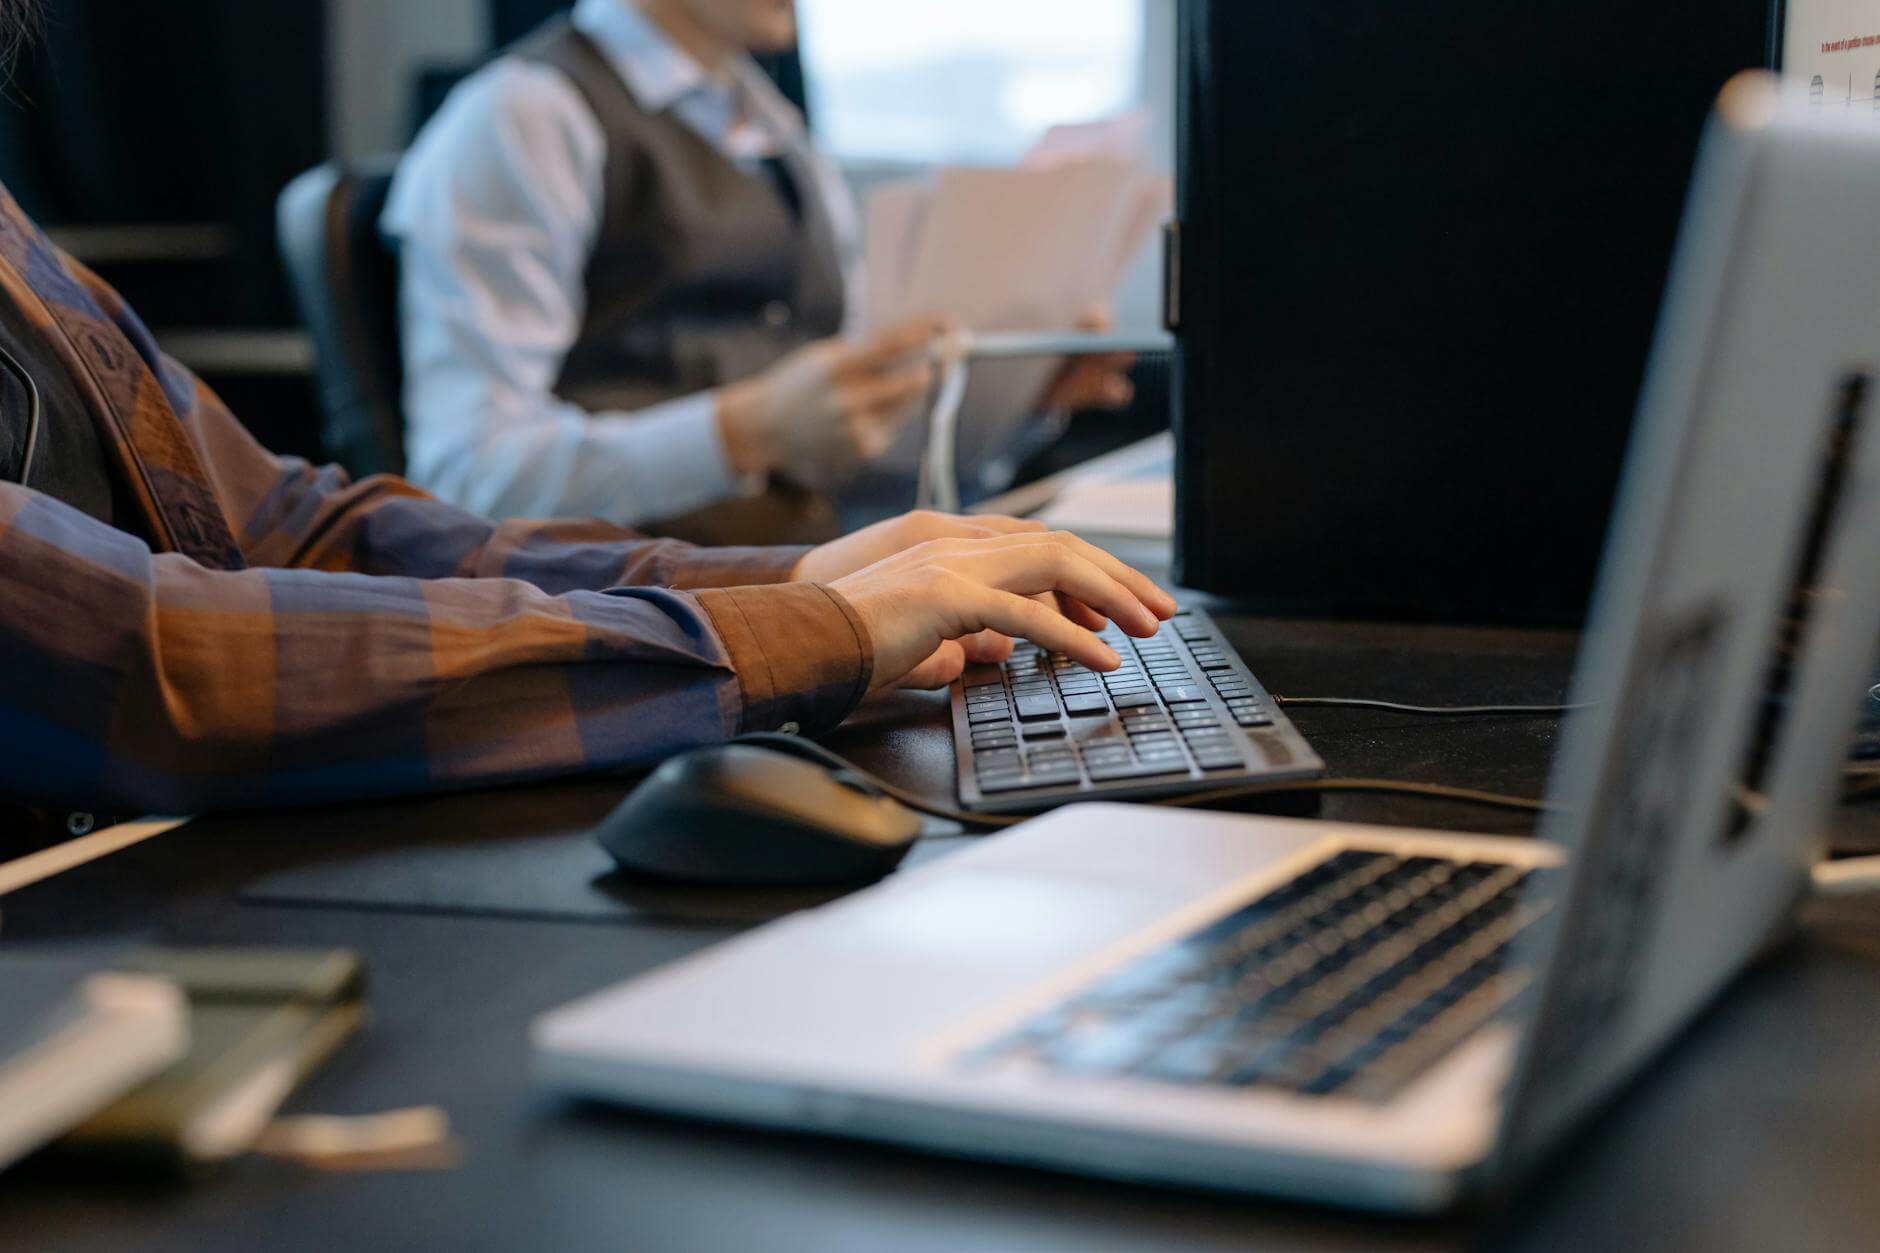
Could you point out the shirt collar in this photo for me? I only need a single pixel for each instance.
(661, 74)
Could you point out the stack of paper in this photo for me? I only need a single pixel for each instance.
(1035, 247)
(260, 1021)
(74, 1037)
(1130, 492)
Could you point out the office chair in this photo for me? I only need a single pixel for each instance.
(345, 281)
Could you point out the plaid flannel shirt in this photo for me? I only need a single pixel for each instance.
(290, 636)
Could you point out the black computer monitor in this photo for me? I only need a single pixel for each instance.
(1421, 253)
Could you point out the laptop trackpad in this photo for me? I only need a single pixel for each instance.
(999, 918)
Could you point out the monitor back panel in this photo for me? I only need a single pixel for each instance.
(1421, 254)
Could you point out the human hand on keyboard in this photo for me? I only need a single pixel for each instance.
(861, 549)
(949, 661)
(1048, 587)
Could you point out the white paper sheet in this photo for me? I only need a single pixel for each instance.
(1035, 247)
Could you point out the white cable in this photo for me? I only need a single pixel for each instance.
(939, 468)
(939, 485)
(1851, 876)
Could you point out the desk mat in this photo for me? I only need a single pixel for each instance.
(524, 855)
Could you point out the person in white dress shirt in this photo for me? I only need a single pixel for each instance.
(626, 271)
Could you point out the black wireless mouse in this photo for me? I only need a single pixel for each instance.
(754, 816)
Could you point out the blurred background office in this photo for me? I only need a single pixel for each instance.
(157, 149)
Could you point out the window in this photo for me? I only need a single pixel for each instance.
(965, 80)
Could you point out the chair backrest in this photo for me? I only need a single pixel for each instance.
(345, 280)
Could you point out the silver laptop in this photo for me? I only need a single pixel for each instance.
(1373, 1017)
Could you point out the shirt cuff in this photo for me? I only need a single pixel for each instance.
(735, 567)
(800, 652)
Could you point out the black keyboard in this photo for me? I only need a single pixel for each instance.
(1350, 980)
(1183, 714)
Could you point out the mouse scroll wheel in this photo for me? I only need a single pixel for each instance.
(860, 782)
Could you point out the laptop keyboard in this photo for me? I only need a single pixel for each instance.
(1349, 980)
(1183, 713)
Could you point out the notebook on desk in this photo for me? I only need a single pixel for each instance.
(75, 1035)
(259, 1022)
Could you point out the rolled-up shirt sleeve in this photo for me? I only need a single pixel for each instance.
(321, 639)
(147, 682)
(802, 656)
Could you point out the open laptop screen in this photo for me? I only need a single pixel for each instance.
(1737, 607)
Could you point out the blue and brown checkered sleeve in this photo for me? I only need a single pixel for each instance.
(292, 636)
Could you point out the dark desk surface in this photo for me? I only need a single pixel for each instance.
(1761, 1129)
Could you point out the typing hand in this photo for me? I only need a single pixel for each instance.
(884, 539)
(828, 408)
(919, 605)
(863, 548)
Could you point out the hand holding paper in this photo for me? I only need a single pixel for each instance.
(1034, 247)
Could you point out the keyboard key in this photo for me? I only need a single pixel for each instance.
(980, 717)
(1191, 1060)
(1057, 776)
(1013, 783)
(1044, 731)
(1182, 694)
(1033, 708)
(1129, 700)
(1135, 770)
(1086, 703)
(1253, 720)
(1173, 758)
(1107, 1049)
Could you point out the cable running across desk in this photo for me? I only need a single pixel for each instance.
(1430, 711)
(849, 772)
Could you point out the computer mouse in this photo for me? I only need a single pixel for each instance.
(743, 815)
